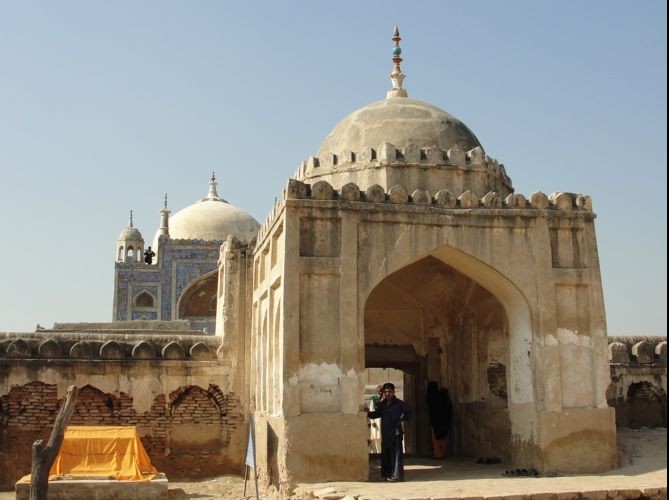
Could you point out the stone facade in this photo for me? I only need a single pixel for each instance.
(486, 283)
(180, 282)
(169, 289)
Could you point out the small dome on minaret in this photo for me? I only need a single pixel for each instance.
(130, 244)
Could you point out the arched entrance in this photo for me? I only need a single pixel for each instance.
(449, 318)
(438, 325)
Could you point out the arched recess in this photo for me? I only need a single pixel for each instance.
(471, 330)
(647, 405)
(198, 300)
(94, 407)
(196, 418)
(144, 299)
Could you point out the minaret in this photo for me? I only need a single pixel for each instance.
(164, 229)
(397, 77)
(130, 244)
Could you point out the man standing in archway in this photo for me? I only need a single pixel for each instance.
(392, 412)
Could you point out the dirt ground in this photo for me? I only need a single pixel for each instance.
(643, 464)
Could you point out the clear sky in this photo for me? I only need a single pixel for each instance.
(105, 106)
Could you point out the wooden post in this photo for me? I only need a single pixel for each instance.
(43, 458)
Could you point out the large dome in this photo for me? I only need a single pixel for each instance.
(399, 121)
(212, 218)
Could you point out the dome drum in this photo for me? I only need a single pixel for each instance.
(412, 166)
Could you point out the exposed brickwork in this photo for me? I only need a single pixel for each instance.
(496, 373)
(194, 405)
(95, 408)
(28, 412)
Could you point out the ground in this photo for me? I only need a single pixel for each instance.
(643, 464)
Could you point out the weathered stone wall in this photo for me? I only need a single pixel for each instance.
(638, 388)
(172, 387)
(536, 257)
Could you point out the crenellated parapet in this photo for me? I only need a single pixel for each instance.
(638, 350)
(410, 155)
(443, 198)
(108, 347)
(267, 224)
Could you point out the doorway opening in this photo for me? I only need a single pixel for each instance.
(436, 325)
(404, 389)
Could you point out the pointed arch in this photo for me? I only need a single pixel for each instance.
(95, 407)
(144, 299)
(199, 298)
(516, 307)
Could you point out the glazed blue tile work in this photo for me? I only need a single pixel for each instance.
(178, 264)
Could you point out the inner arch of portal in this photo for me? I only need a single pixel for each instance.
(471, 312)
(439, 326)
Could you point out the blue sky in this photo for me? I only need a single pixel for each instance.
(105, 106)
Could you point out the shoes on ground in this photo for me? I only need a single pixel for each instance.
(521, 473)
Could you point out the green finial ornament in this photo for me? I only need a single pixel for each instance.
(397, 77)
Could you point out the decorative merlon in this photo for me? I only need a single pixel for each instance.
(638, 350)
(443, 199)
(322, 190)
(388, 155)
(109, 347)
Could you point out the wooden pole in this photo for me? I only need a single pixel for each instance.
(43, 457)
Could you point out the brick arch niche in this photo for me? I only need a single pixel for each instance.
(198, 417)
(94, 407)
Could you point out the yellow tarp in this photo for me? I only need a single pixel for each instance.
(103, 451)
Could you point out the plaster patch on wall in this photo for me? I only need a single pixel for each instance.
(323, 374)
(520, 368)
(320, 388)
(294, 380)
(143, 389)
(551, 340)
(566, 336)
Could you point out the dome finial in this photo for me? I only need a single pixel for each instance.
(130, 223)
(213, 194)
(397, 77)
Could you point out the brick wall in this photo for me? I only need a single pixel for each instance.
(27, 413)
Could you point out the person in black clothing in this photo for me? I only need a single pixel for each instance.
(392, 412)
(439, 408)
(149, 255)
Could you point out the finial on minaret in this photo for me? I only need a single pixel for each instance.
(130, 225)
(397, 77)
(165, 202)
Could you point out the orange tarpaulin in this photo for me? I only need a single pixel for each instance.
(103, 451)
